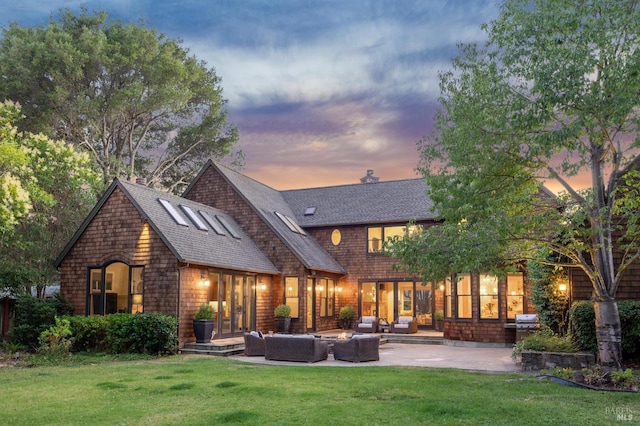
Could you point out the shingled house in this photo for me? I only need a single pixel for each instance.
(244, 247)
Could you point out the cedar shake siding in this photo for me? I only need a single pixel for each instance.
(118, 232)
(185, 263)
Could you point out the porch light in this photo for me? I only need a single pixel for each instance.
(562, 288)
(204, 279)
(263, 286)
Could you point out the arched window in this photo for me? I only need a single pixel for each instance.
(115, 287)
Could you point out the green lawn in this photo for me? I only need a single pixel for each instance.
(209, 390)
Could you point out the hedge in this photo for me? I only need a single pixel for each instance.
(582, 319)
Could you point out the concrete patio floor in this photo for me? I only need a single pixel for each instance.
(420, 355)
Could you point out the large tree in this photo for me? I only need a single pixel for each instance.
(138, 102)
(47, 188)
(553, 96)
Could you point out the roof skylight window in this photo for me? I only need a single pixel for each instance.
(212, 222)
(194, 218)
(310, 211)
(291, 224)
(228, 226)
(173, 212)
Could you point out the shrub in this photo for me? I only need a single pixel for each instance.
(584, 328)
(630, 322)
(282, 311)
(545, 341)
(57, 339)
(89, 333)
(154, 334)
(205, 312)
(33, 316)
(346, 312)
(624, 379)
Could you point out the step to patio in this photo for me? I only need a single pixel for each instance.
(412, 339)
(215, 349)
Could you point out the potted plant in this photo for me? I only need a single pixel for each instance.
(346, 316)
(203, 323)
(439, 317)
(283, 318)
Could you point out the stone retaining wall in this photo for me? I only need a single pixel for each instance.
(534, 360)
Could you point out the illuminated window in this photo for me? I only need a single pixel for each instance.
(291, 295)
(376, 235)
(515, 295)
(326, 289)
(488, 297)
(463, 296)
(336, 237)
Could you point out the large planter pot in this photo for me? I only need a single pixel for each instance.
(346, 323)
(203, 330)
(283, 324)
(439, 325)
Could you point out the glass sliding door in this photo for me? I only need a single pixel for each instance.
(386, 301)
(311, 305)
(405, 299)
(368, 299)
(424, 305)
(236, 300)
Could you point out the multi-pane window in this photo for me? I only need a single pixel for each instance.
(376, 235)
(448, 299)
(488, 297)
(115, 288)
(326, 289)
(291, 295)
(515, 295)
(463, 296)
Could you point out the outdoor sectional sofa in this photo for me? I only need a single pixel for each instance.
(302, 348)
(253, 344)
(357, 349)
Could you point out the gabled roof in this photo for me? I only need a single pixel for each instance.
(396, 201)
(187, 243)
(266, 201)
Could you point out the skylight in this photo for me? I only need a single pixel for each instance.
(194, 218)
(173, 212)
(212, 222)
(310, 211)
(291, 224)
(228, 226)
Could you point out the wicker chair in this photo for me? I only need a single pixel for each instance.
(357, 349)
(295, 348)
(367, 324)
(404, 325)
(253, 345)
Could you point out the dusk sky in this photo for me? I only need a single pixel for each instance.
(321, 91)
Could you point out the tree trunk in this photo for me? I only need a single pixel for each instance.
(608, 333)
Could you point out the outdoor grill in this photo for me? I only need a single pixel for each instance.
(526, 324)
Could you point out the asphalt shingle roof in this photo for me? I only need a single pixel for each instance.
(266, 201)
(188, 243)
(362, 203)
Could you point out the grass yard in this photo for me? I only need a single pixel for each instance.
(193, 390)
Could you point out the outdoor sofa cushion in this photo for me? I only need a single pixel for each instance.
(303, 348)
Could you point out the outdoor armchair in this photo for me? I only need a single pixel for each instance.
(404, 325)
(367, 324)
